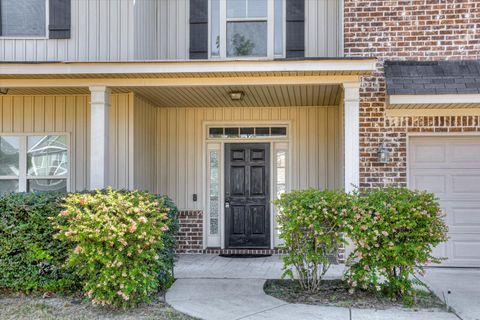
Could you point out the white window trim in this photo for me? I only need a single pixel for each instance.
(280, 143)
(47, 32)
(270, 19)
(23, 177)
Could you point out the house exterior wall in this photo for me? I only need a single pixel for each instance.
(315, 159)
(100, 31)
(417, 30)
(71, 114)
(128, 30)
(144, 144)
(323, 28)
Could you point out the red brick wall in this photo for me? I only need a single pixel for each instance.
(190, 235)
(405, 30)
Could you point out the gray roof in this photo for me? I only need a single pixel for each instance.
(432, 77)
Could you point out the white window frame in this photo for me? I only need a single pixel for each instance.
(23, 177)
(270, 19)
(47, 22)
(276, 144)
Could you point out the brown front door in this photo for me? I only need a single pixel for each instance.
(247, 195)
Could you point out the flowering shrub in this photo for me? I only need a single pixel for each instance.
(393, 230)
(30, 258)
(310, 225)
(123, 244)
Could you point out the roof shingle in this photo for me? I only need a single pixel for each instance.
(432, 77)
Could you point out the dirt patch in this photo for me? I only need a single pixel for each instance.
(19, 307)
(336, 293)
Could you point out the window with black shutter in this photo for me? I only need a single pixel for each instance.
(28, 18)
(236, 29)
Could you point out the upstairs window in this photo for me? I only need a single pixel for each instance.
(23, 18)
(246, 28)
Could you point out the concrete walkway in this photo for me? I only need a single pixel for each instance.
(210, 287)
(458, 287)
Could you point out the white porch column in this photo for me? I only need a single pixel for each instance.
(352, 135)
(99, 105)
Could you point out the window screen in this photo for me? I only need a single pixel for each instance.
(22, 18)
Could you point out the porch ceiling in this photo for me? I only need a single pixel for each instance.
(255, 96)
(217, 96)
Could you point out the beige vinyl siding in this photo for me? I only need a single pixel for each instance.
(120, 129)
(145, 17)
(101, 30)
(315, 155)
(323, 28)
(144, 145)
(71, 114)
(173, 29)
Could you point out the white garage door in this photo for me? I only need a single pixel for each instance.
(450, 168)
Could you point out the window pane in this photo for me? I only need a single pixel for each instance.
(281, 159)
(215, 22)
(256, 8)
(214, 191)
(236, 8)
(9, 157)
(47, 155)
(41, 185)
(231, 132)
(215, 132)
(246, 39)
(8, 186)
(278, 26)
(279, 131)
(23, 17)
(262, 132)
(281, 175)
(247, 132)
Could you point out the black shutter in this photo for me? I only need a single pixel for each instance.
(198, 29)
(59, 15)
(295, 28)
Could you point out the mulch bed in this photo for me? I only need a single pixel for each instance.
(336, 293)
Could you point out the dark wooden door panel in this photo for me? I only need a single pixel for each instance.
(247, 195)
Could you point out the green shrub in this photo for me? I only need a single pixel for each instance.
(30, 259)
(310, 225)
(123, 244)
(393, 230)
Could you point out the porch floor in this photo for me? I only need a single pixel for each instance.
(204, 266)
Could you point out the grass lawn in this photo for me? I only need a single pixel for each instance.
(14, 306)
(335, 293)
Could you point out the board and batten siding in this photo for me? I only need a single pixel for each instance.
(323, 28)
(316, 159)
(71, 114)
(144, 144)
(101, 30)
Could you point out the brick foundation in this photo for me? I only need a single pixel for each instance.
(190, 232)
(405, 30)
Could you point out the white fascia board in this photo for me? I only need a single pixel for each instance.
(354, 65)
(434, 99)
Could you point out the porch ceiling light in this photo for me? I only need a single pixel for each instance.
(3, 91)
(237, 95)
(383, 153)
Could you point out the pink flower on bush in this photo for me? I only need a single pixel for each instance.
(77, 250)
(364, 227)
(136, 210)
(63, 213)
(82, 201)
(132, 228)
(122, 241)
(385, 233)
(165, 228)
(142, 219)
